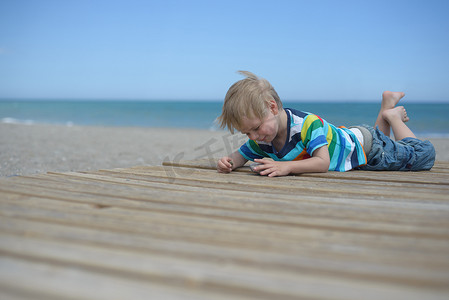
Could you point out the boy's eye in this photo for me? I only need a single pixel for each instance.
(255, 129)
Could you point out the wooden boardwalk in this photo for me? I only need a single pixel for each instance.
(184, 231)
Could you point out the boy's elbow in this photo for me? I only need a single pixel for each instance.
(324, 169)
(322, 161)
(325, 166)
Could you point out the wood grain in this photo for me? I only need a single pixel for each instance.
(184, 231)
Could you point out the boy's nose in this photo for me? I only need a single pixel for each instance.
(253, 136)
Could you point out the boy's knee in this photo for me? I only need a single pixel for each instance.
(423, 152)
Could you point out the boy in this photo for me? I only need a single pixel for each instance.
(298, 142)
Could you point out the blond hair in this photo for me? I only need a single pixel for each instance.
(248, 98)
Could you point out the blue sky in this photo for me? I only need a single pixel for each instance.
(309, 50)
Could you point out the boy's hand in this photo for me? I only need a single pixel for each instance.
(272, 168)
(225, 165)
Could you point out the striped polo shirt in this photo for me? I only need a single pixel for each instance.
(307, 132)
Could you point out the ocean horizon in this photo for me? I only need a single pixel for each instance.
(426, 119)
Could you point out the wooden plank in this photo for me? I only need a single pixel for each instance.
(400, 177)
(328, 177)
(241, 199)
(419, 177)
(211, 164)
(234, 278)
(30, 278)
(226, 233)
(336, 188)
(143, 189)
(432, 225)
(213, 230)
(121, 225)
(194, 232)
(298, 260)
(284, 185)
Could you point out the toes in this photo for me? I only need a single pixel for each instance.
(405, 117)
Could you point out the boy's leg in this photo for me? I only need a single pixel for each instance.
(396, 118)
(389, 101)
(404, 155)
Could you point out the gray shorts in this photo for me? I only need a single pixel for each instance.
(409, 154)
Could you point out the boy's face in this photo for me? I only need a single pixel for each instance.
(263, 130)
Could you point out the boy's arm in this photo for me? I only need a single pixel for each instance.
(318, 163)
(228, 163)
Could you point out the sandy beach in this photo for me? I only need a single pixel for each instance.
(34, 149)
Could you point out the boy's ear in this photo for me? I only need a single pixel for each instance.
(273, 106)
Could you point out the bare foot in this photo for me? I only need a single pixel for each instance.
(390, 99)
(398, 112)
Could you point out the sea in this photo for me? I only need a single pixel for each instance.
(426, 119)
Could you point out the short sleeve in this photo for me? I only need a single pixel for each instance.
(313, 133)
(251, 151)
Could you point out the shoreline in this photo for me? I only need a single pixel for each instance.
(39, 148)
